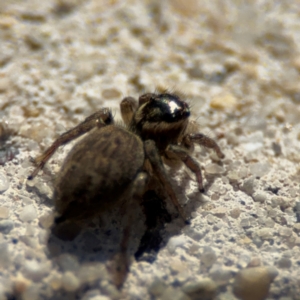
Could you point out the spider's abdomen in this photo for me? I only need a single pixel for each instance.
(97, 172)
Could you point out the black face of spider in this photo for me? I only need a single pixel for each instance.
(166, 107)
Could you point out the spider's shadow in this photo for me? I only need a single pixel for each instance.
(91, 239)
(99, 243)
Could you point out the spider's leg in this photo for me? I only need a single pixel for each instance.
(160, 172)
(119, 265)
(128, 107)
(190, 162)
(202, 140)
(101, 118)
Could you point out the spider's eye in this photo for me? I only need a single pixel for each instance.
(166, 108)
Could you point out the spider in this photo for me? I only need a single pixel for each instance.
(114, 162)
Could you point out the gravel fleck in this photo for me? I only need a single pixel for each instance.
(28, 213)
(214, 169)
(36, 270)
(5, 255)
(265, 233)
(204, 288)
(46, 220)
(208, 257)
(285, 231)
(219, 212)
(55, 280)
(174, 294)
(254, 283)
(4, 183)
(260, 196)
(260, 169)
(68, 262)
(4, 212)
(235, 213)
(284, 263)
(248, 186)
(157, 287)
(176, 241)
(221, 275)
(296, 227)
(70, 282)
(6, 226)
(223, 101)
(88, 273)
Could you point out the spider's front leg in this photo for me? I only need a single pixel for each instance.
(99, 119)
(190, 162)
(187, 142)
(202, 140)
(160, 172)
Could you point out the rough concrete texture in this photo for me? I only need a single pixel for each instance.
(238, 65)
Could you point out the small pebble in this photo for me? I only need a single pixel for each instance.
(255, 123)
(202, 289)
(284, 263)
(39, 187)
(35, 270)
(89, 273)
(226, 296)
(254, 283)
(4, 183)
(100, 297)
(254, 262)
(235, 213)
(176, 241)
(55, 280)
(219, 212)
(243, 172)
(43, 237)
(260, 196)
(233, 175)
(259, 169)
(269, 222)
(214, 169)
(221, 275)
(28, 213)
(296, 227)
(285, 231)
(111, 94)
(68, 262)
(247, 222)
(46, 220)
(157, 287)
(29, 241)
(223, 101)
(70, 282)
(5, 256)
(6, 226)
(208, 257)
(177, 266)
(4, 212)
(174, 294)
(251, 147)
(265, 233)
(276, 148)
(248, 186)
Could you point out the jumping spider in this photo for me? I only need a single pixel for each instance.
(114, 162)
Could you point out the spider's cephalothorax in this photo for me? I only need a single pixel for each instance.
(161, 118)
(111, 165)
